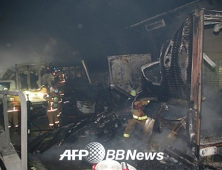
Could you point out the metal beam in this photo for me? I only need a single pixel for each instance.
(197, 70)
(24, 135)
(5, 109)
(163, 14)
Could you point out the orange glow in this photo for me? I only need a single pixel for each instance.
(51, 110)
(15, 110)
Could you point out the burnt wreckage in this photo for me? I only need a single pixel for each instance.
(180, 77)
(175, 79)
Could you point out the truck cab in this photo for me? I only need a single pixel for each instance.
(29, 81)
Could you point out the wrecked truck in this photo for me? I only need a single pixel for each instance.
(181, 82)
(29, 81)
(27, 78)
(177, 78)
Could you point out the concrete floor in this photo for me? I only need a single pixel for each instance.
(49, 160)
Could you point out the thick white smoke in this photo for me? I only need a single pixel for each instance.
(33, 50)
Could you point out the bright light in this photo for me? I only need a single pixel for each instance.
(11, 99)
(40, 94)
(52, 110)
(14, 110)
(27, 92)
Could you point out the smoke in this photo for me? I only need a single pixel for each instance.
(211, 113)
(28, 50)
(34, 50)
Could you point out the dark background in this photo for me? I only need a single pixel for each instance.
(66, 31)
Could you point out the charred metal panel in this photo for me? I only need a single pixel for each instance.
(125, 70)
(151, 72)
